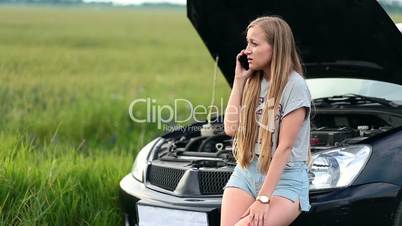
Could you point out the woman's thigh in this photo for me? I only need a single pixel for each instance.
(235, 202)
(277, 216)
(282, 212)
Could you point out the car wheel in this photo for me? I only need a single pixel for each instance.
(398, 215)
(128, 221)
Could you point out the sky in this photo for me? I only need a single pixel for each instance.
(128, 2)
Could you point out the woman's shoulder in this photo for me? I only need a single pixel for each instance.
(296, 79)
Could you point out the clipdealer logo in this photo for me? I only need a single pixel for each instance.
(168, 114)
(165, 115)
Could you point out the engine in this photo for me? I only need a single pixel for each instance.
(327, 131)
(324, 137)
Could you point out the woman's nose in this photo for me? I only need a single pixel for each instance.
(247, 51)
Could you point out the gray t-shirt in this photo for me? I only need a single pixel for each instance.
(295, 95)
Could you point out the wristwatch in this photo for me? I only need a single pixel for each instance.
(263, 199)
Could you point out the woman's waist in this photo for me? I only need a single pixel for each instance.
(290, 163)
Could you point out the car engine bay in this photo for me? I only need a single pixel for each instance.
(328, 130)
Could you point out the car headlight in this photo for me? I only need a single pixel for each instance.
(338, 167)
(141, 161)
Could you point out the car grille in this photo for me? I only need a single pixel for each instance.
(210, 182)
(166, 178)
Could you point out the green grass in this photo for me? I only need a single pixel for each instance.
(67, 78)
(76, 71)
(396, 17)
(58, 185)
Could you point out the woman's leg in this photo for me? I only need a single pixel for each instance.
(244, 221)
(235, 202)
(277, 216)
(282, 212)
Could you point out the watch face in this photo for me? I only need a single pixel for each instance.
(263, 198)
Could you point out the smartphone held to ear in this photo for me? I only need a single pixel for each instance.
(243, 61)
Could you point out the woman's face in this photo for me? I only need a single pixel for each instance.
(258, 51)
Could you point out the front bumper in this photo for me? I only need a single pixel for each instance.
(132, 191)
(369, 204)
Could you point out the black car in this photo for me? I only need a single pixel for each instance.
(352, 54)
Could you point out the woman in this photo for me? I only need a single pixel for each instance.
(268, 115)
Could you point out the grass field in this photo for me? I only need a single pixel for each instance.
(397, 18)
(67, 78)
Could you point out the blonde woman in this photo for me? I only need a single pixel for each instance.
(268, 115)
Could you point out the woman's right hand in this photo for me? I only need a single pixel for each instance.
(240, 72)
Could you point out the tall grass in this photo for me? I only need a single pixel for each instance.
(58, 186)
(70, 74)
(67, 78)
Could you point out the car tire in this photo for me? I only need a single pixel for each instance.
(128, 221)
(398, 215)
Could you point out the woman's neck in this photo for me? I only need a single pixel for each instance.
(267, 73)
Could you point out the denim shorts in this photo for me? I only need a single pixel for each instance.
(293, 183)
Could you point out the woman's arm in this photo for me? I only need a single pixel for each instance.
(290, 127)
(232, 111)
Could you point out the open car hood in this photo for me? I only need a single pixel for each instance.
(343, 38)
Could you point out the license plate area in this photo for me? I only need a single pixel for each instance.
(150, 215)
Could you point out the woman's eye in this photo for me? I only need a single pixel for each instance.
(252, 44)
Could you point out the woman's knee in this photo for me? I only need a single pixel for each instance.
(244, 221)
(235, 202)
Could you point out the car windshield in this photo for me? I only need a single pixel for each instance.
(327, 87)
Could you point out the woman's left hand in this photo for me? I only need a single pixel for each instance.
(258, 214)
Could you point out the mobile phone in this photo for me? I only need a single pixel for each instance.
(243, 61)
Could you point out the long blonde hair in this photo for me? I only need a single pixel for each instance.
(284, 60)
